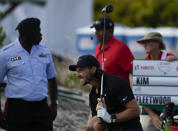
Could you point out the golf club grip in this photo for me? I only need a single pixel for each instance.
(100, 121)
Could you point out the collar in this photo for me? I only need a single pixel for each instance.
(162, 55)
(108, 44)
(18, 46)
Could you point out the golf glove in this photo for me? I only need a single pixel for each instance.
(102, 113)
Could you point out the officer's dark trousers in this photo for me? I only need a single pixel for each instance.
(28, 116)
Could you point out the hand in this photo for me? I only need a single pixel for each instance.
(156, 121)
(171, 58)
(53, 109)
(3, 122)
(102, 113)
(101, 103)
(89, 126)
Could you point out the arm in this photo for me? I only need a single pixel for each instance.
(132, 110)
(97, 126)
(154, 118)
(171, 57)
(52, 86)
(89, 126)
(3, 69)
(95, 120)
(3, 122)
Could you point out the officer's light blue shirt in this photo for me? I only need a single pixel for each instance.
(27, 74)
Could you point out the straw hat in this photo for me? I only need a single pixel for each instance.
(153, 36)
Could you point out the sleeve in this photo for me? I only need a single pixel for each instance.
(126, 59)
(125, 93)
(51, 71)
(170, 54)
(3, 68)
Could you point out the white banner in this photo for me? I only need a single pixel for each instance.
(155, 81)
(155, 68)
(156, 100)
(155, 90)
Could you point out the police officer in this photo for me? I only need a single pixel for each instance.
(30, 71)
(118, 108)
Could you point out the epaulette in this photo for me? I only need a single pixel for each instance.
(7, 47)
(42, 45)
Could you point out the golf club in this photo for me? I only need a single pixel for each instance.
(108, 9)
(105, 10)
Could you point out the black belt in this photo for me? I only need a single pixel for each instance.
(18, 100)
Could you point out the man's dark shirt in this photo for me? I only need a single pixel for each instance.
(117, 93)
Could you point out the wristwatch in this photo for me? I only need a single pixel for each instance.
(113, 118)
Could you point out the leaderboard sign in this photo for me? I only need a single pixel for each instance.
(155, 82)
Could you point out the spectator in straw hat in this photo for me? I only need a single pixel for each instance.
(155, 47)
(155, 50)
